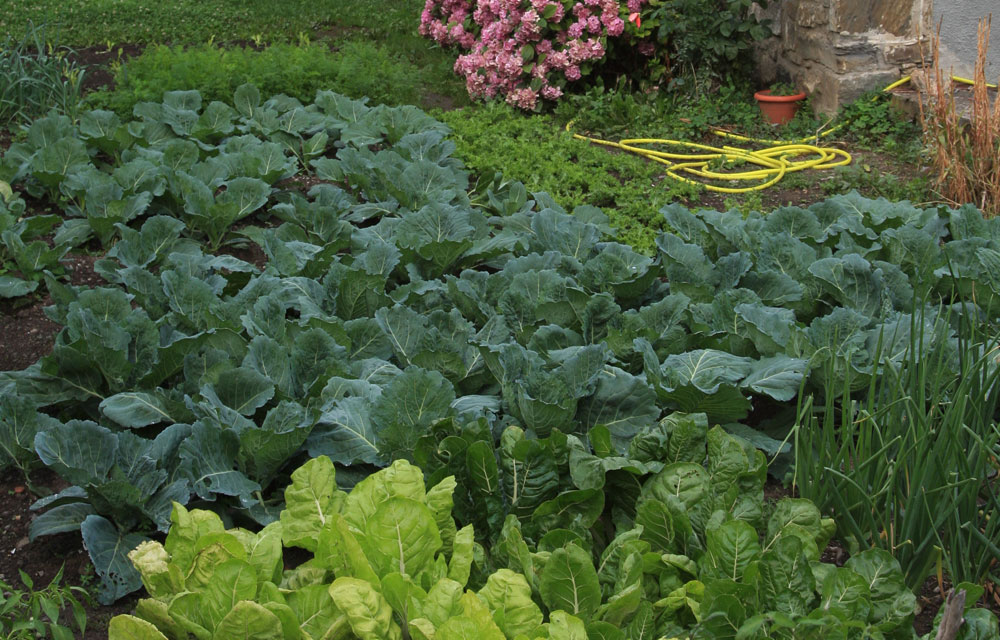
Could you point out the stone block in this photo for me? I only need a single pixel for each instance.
(856, 62)
(852, 85)
(905, 53)
(820, 83)
(815, 45)
(812, 13)
(766, 54)
(772, 14)
(860, 16)
(829, 90)
(853, 46)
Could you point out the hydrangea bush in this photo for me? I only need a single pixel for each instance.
(527, 50)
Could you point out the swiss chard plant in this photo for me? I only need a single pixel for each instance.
(387, 562)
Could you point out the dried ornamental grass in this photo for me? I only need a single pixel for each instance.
(964, 155)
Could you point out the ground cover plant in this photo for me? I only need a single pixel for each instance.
(404, 311)
(534, 150)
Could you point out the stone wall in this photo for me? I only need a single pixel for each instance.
(838, 49)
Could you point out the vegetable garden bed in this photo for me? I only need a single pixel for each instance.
(407, 311)
(376, 386)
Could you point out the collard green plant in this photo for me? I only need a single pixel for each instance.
(24, 257)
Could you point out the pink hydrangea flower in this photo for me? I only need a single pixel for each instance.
(492, 34)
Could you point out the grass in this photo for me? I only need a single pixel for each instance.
(95, 22)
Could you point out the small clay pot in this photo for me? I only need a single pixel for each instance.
(778, 109)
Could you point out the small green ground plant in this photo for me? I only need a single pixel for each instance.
(689, 112)
(27, 613)
(875, 183)
(875, 122)
(783, 89)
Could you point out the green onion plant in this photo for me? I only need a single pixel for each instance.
(35, 76)
(909, 463)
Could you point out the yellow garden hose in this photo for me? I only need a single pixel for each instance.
(772, 163)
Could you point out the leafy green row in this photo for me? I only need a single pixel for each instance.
(389, 562)
(209, 167)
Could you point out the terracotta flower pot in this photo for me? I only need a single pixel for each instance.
(778, 109)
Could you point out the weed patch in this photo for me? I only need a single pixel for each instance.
(537, 151)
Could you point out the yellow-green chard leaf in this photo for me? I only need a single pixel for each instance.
(310, 501)
(569, 582)
(248, 620)
(367, 611)
(508, 595)
(401, 536)
(462, 554)
(339, 550)
(131, 628)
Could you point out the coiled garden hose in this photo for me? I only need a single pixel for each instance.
(773, 162)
